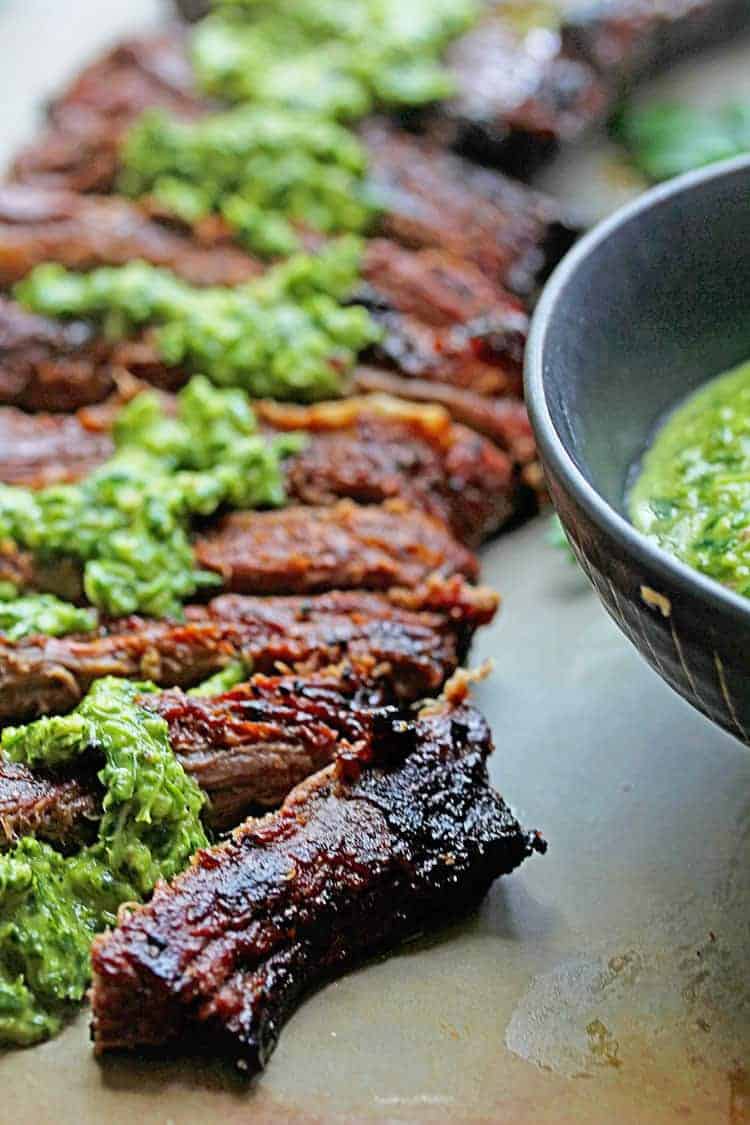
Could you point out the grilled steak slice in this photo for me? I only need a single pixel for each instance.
(55, 365)
(82, 232)
(251, 746)
(368, 449)
(348, 546)
(503, 420)
(409, 642)
(246, 749)
(41, 449)
(220, 958)
(432, 198)
(628, 40)
(50, 365)
(433, 285)
(80, 149)
(443, 319)
(61, 810)
(373, 448)
(518, 96)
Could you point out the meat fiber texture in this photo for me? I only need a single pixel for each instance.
(246, 749)
(347, 546)
(357, 859)
(407, 641)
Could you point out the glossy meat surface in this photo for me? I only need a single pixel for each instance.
(80, 148)
(42, 449)
(347, 546)
(504, 420)
(628, 40)
(251, 746)
(433, 198)
(370, 449)
(409, 642)
(50, 365)
(443, 319)
(246, 749)
(355, 861)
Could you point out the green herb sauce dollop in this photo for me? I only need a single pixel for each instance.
(332, 58)
(40, 613)
(692, 495)
(51, 905)
(286, 335)
(267, 170)
(128, 523)
(668, 138)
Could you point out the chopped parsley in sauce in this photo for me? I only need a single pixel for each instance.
(270, 172)
(336, 59)
(128, 523)
(52, 905)
(692, 495)
(285, 335)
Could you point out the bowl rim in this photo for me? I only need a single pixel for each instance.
(676, 574)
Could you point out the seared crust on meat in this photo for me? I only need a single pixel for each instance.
(504, 420)
(375, 448)
(627, 40)
(442, 319)
(248, 748)
(46, 364)
(42, 449)
(517, 96)
(432, 198)
(347, 546)
(408, 641)
(355, 861)
(368, 449)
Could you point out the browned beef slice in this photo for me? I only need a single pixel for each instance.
(50, 365)
(434, 198)
(518, 96)
(252, 745)
(42, 449)
(82, 232)
(504, 420)
(443, 319)
(220, 958)
(62, 810)
(79, 150)
(368, 449)
(246, 748)
(409, 641)
(371, 449)
(347, 546)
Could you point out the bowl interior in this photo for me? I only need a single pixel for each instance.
(657, 303)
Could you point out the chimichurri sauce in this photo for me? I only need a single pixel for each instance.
(693, 492)
(52, 905)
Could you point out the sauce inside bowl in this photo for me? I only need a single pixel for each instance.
(692, 494)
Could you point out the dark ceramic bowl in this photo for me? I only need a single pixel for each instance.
(650, 304)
